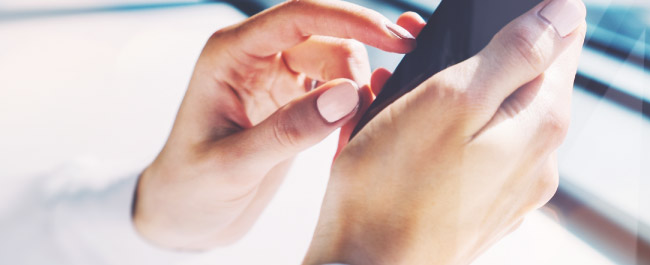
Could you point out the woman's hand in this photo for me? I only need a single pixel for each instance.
(249, 109)
(454, 165)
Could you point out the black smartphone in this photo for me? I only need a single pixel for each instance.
(457, 30)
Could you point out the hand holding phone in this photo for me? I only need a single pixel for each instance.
(455, 164)
(457, 30)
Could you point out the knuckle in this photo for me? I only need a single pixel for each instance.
(446, 87)
(352, 49)
(285, 131)
(217, 36)
(460, 103)
(294, 10)
(442, 86)
(523, 44)
(290, 3)
(351, 59)
(297, 4)
(556, 126)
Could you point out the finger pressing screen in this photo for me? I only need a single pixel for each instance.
(288, 24)
(412, 22)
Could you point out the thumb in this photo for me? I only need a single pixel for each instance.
(294, 127)
(367, 94)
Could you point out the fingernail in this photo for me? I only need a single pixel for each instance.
(564, 15)
(337, 102)
(399, 31)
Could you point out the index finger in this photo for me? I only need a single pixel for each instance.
(290, 23)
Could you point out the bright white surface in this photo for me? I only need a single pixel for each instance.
(607, 152)
(540, 240)
(108, 85)
(45, 5)
(105, 84)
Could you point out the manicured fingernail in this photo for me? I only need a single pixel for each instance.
(564, 15)
(339, 101)
(399, 31)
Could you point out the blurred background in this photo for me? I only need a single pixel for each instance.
(100, 80)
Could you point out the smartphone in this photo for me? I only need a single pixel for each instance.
(457, 30)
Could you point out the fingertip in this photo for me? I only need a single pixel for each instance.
(406, 41)
(564, 15)
(339, 101)
(399, 31)
(381, 71)
(412, 22)
(581, 31)
(378, 80)
(416, 16)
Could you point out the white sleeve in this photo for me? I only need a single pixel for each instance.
(79, 215)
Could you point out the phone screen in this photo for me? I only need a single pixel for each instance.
(457, 30)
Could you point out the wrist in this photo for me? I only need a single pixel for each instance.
(164, 220)
(353, 230)
(340, 245)
(182, 212)
(352, 235)
(148, 219)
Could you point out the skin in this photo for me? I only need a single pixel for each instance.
(492, 123)
(248, 110)
(436, 178)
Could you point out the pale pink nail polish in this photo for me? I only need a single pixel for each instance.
(339, 101)
(564, 15)
(399, 31)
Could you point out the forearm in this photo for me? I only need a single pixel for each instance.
(199, 223)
